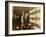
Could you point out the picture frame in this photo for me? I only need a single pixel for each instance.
(15, 14)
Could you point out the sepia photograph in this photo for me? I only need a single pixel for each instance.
(24, 18)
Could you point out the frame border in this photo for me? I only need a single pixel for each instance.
(6, 18)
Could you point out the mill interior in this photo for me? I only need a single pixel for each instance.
(25, 18)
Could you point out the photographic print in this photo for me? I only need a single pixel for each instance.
(24, 18)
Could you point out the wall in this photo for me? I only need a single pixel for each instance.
(2, 17)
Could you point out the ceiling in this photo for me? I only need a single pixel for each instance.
(18, 10)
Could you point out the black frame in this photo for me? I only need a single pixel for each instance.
(6, 18)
